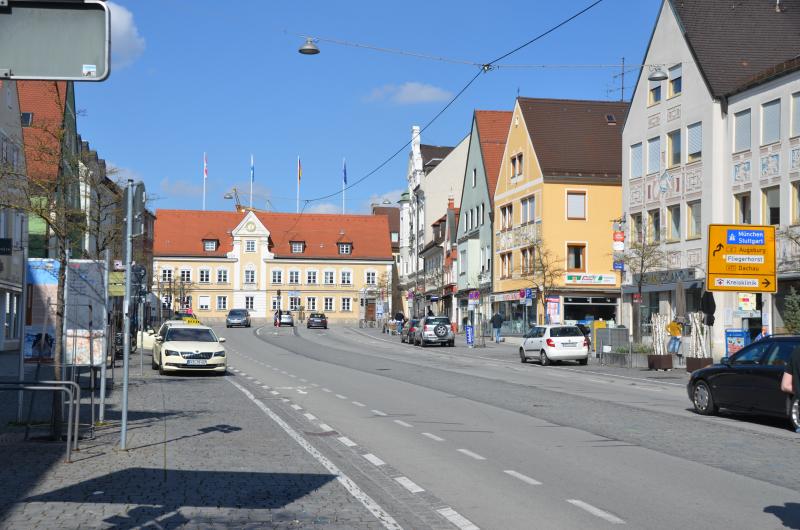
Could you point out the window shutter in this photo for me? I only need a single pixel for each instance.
(771, 122)
(796, 114)
(742, 132)
(636, 160)
(695, 133)
(653, 155)
(576, 205)
(675, 72)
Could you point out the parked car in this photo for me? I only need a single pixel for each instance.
(285, 318)
(587, 332)
(317, 320)
(748, 381)
(434, 330)
(407, 333)
(189, 347)
(238, 317)
(555, 343)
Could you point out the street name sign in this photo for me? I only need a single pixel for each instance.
(741, 258)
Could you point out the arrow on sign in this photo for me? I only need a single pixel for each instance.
(719, 247)
(766, 282)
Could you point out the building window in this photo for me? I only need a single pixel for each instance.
(222, 276)
(311, 303)
(483, 211)
(694, 143)
(277, 276)
(294, 277)
(311, 277)
(209, 245)
(796, 114)
(636, 160)
(346, 278)
(249, 302)
(654, 226)
(166, 301)
(742, 130)
(249, 276)
(795, 203)
(507, 216)
(694, 219)
(674, 148)
(576, 205)
(474, 177)
(328, 304)
(654, 95)
(576, 258)
(743, 209)
(371, 278)
(771, 122)
(276, 303)
(346, 304)
(250, 245)
(395, 237)
(294, 303)
(675, 80)
(329, 277)
(528, 260)
(674, 220)
(345, 248)
(653, 155)
(528, 210)
(166, 275)
(205, 276)
(297, 247)
(222, 302)
(771, 206)
(186, 302)
(636, 227)
(507, 264)
(516, 165)
(26, 118)
(186, 275)
(203, 303)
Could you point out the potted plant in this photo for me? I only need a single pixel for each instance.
(698, 355)
(659, 359)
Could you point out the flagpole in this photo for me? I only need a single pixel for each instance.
(298, 183)
(205, 176)
(344, 180)
(252, 176)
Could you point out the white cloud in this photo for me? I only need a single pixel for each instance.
(377, 198)
(126, 43)
(325, 207)
(410, 93)
(179, 188)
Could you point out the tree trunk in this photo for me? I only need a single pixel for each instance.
(636, 317)
(58, 345)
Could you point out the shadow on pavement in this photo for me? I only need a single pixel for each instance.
(158, 493)
(789, 514)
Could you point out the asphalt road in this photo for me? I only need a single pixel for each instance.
(508, 445)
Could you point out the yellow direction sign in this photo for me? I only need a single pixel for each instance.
(741, 258)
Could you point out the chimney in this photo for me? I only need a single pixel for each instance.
(451, 203)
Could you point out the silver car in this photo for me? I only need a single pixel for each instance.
(238, 317)
(286, 319)
(434, 330)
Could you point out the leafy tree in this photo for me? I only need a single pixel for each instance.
(791, 312)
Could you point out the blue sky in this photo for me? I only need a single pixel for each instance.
(190, 76)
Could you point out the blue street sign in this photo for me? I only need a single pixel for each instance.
(745, 237)
(470, 331)
(528, 293)
(619, 265)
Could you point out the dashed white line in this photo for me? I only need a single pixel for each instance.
(378, 412)
(374, 460)
(274, 392)
(457, 519)
(314, 385)
(265, 387)
(433, 437)
(358, 404)
(310, 417)
(470, 454)
(295, 406)
(304, 380)
(409, 485)
(301, 391)
(402, 423)
(523, 478)
(347, 441)
(257, 382)
(341, 396)
(325, 427)
(326, 389)
(293, 376)
(613, 519)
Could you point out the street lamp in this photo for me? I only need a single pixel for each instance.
(657, 74)
(309, 48)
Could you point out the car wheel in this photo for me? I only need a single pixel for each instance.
(583, 362)
(522, 357)
(153, 364)
(794, 413)
(161, 370)
(703, 400)
(423, 343)
(543, 358)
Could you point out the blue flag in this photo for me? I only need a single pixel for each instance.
(344, 171)
(252, 170)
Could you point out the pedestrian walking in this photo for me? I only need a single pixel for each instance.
(276, 318)
(763, 335)
(430, 313)
(675, 331)
(790, 383)
(497, 323)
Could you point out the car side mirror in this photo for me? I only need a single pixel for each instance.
(150, 332)
(221, 339)
(725, 360)
(159, 339)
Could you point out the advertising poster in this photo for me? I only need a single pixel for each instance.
(40, 310)
(553, 310)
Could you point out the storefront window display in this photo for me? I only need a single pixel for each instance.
(517, 317)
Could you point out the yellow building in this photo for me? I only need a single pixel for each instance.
(557, 195)
(211, 262)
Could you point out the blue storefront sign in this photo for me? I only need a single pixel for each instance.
(745, 237)
(735, 340)
(470, 332)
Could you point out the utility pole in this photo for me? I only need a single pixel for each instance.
(126, 338)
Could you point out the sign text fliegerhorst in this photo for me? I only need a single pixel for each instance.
(741, 258)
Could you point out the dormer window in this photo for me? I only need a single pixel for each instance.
(345, 248)
(209, 245)
(298, 247)
(250, 245)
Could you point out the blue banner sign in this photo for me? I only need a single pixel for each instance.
(745, 237)
(470, 331)
(619, 265)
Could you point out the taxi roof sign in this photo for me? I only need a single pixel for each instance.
(741, 258)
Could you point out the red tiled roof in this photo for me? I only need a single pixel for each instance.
(181, 233)
(493, 126)
(47, 101)
(394, 216)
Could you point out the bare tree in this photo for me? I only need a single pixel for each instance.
(544, 269)
(641, 257)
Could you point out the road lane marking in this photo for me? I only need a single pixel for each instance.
(613, 519)
(457, 519)
(433, 437)
(242, 374)
(378, 413)
(326, 389)
(301, 391)
(470, 454)
(402, 423)
(407, 484)
(374, 508)
(347, 441)
(341, 396)
(374, 460)
(293, 376)
(274, 392)
(358, 404)
(295, 406)
(325, 427)
(265, 387)
(523, 478)
(310, 417)
(304, 380)
(315, 385)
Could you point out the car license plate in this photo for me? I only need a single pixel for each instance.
(570, 344)
(195, 362)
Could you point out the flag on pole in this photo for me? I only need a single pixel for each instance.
(344, 171)
(205, 166)
(299, 169)
(252, 170)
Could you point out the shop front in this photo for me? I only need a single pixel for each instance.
(517, 310)
(589, 306)
(665, 292)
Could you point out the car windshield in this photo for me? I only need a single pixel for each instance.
(190, 335)
(237, 313)
(317, 315)
(434, 321)
(566, 331)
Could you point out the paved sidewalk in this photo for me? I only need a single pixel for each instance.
(201, 455)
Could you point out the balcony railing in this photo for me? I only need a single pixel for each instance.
(517, 237)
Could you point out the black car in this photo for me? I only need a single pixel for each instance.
(749, 381)
(317, 320)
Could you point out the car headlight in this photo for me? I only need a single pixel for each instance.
(171, 353)
(220, 353)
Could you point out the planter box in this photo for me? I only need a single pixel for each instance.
(659, 362)
(695, 363)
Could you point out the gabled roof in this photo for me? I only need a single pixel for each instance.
(735, 42)
(493, 126)
(432, 155)
(393, 212)
(573, 137)
(181, 233)
(47, 100)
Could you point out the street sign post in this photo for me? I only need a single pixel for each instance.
(741, 258)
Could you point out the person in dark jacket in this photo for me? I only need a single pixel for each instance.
(790, 383)
(497, 323)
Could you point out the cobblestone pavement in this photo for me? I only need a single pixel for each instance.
(201, 455)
